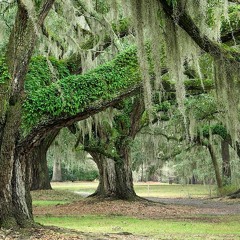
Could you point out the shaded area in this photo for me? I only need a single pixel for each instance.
(205, 206)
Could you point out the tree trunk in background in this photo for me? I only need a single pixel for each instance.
(40, 176)
(107, 176)
(115, 178)
(121, 186)
(57, 170)
(15, 200)
(215, 165)
(226, 167)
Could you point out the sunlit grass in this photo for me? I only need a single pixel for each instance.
(149, 227)
(146, 189)
(38, 203)
(174, 190)
(192, 227)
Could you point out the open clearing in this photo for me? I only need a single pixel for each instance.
(175, 212)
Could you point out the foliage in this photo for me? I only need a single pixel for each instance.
(77, 174)
(102, 6)
(172, 2)
(216, 129)
(233, 21)
(44, 71)
(71, 95)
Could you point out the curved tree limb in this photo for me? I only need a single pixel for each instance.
(41, 130)
(204, 42)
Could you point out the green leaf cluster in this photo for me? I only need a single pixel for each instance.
(172, 2)
(42, 72)
(233, 21)
(216, 129)
(72, 94)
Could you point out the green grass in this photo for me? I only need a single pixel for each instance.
(146, 190)
(191, 227)
(56, 195)
(149, 227)
(38, 203)
(174, 190)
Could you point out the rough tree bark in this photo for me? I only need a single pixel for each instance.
(107, 176)
(15, 200)
(116, 175)
(38, 157)
(124, 183)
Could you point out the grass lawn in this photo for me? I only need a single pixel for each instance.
(149, 227)
(195, 226)
(38, 203)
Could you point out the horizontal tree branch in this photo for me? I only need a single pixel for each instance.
(38, 132)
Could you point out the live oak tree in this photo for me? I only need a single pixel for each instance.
(15, 196)
(110, 147)
(76, 64)
(181, 25)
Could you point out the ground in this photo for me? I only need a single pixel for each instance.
(178, 217)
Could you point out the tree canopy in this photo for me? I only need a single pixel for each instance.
(64, 61)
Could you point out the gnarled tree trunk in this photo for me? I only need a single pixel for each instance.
(39, 171)
(125, 189)
(115, 177)
(15, 200)
(107, 186)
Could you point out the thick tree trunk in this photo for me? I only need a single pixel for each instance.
(39, 170)
(226, 167)
(15, 200)
(14, 191)
(216, 167)
(124, 180)
(21, 196)
(40, 176)
(115, 177)
(57, 170)
(107, 176)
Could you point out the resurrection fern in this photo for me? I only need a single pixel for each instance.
(72, 94)
(42, 72)
(216, 129)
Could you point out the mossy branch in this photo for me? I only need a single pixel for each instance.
(186, 23)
